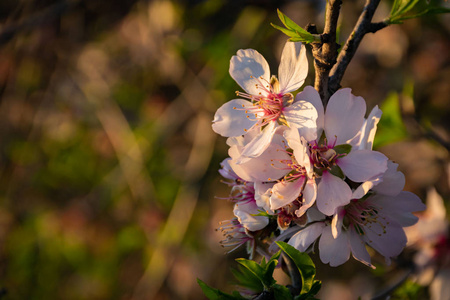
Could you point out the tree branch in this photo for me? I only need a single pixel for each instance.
(325, 53)
(362, 27)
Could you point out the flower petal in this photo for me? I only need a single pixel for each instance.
(362, 165)
(370, 128)
(304, 238)
(310, 95)
(309, 197)
(385, 236)
(260, 143)
(334, 251)
(245, 213)
(247, 68)
(393, 181)
(344, 116)
(285, 192)
(358, 247)
(332, 193)
(262, 194)
(232, 118)
(293, 67)
(337, 222)
(364, 188)
(399, 207)
(302, 115)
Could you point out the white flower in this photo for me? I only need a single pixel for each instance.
(342, 124)
(271, 104)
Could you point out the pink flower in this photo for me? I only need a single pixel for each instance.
(337, 152)
(271, 104)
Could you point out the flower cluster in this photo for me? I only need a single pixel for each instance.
(301, 172)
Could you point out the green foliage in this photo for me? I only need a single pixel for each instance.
(258, 278)
(410, 291)
(343, 149)
(401, 10)
(390, 128)
(294, 31)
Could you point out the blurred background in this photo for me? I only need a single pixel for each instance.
(108, 164)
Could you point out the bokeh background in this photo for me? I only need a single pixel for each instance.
(108, 164)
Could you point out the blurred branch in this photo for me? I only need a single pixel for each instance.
(48, 14)
(362, 27)
(325, 53)
(387, 293)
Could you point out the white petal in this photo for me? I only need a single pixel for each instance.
(334, 251)
(245, 213)
(309, 197)
(393, 181)
(364, 187)
(285, 192)
(337, 222)
(247, 67)
(332, 192)
(385, 236)
(302, 115)
(262, 195)
(233, 119)
(226, 171)
(358, 247)
(295, 143)
(370, 128)
(293, 67)
(310, 94)
(304, 238)
(344, 116)
(260, 143)
(399, 207)
(266, 167)
(362, 165)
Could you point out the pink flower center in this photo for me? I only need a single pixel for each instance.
(269, 103)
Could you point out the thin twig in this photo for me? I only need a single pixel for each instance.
(325, 53)
(362, 27)
(386, 293)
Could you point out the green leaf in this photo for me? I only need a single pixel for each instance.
(294, 31)
(258, 271)
(401, 9)
(343, 149)
(281, 292)
(337, 171)
(304, 265)
(246, 279)
(215, 294)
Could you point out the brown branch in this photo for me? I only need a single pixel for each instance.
(325, 53)
(362, 27)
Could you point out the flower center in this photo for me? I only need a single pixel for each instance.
(361, 214)
(269, 103)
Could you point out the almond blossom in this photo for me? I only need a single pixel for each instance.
(271, 103)
(377, 219)
(336, 152)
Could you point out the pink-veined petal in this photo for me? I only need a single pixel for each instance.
(362, 165)
(370, 128)
(260, 143)
(285, 192)
(358, 247)
(245, 213)
(304, 238)
(309, 197)
(310, 94)
(247, 67)
(302, 115)
(332, 192)
(344, 116)
(293, 67)
(334, 251)
(232, 119)
(393, 181)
